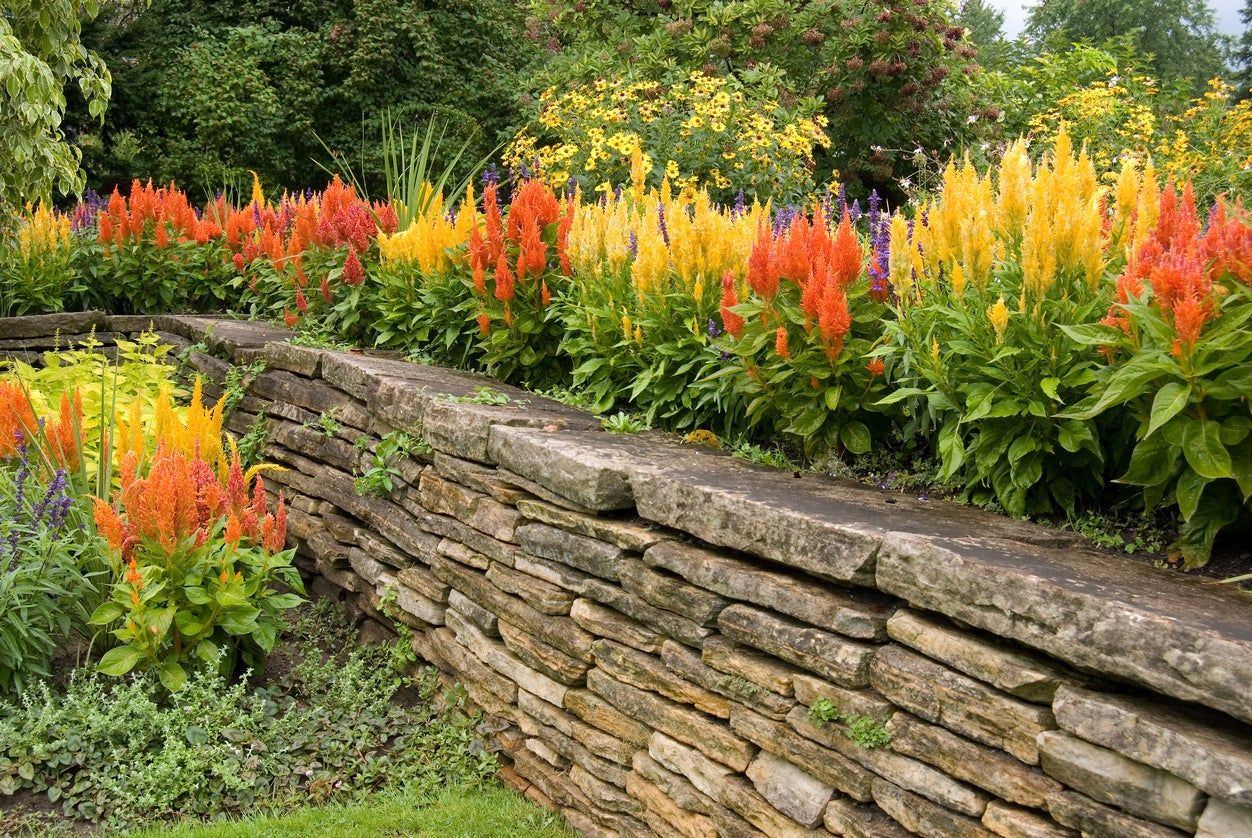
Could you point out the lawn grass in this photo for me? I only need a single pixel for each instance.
(455, 813)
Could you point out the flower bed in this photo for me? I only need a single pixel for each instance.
(1046, 339)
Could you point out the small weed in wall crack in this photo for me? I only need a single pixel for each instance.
(485, 395)
(865, 731)
(380, 476)
(327, 424)
(252, 444)
(238, 380)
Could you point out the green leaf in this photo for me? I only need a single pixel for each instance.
(1049, 385)
(855, 437)
(189, 624)
(230, 596)
(119, 660)
(1151, 463)
(1241, 465)
(1202, 446)
(284, 601)
(172, 676)
(899, 396)
(1169, 401)
(107, 613)
(1188, 491)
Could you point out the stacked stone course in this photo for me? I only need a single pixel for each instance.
(646, 625)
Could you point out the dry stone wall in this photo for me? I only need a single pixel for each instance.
(648, 626)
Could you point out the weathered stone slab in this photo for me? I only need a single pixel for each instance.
(547, 753)
(494, 518)
(860, 614)
(44, 325)
(843, 661)
(738, 795)
(455, 531)
(961, 704)
(539, 655)
(987, 768)
(542, 596)
(458, 552)
(673, 782)
(577, 551)
(1090, 818)
(604, 795)
(665, 622)
(488, 689)
(860, 820)
(1212, 755)
(672, 819)
(479, 478)
(741, 662)
(1017, 673)
(919, 815)
(634, 535)
(909, 773)
(499, 658)
(446, 497)
(799, 523)
(1184, 637)
(561, 632)
(1111, 778)
(688, 664)
(561, 575)
(554, 785)
(1222, 820)
(386, 552)
(570, 749)
(829, 766)
(671, 593)
(301, 360)
(600, 714)
(648, 672)
(605, 622)
(365, 566)
(1014, 822)
(313, 396)
(810, 689)
(800, 796)
(412, 603)
(532, 488)
(421, 579)
(595, 740)
(484, 620)
(589, 475)
(705, 774)
(690, 726)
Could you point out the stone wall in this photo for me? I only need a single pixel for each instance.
(647, 625)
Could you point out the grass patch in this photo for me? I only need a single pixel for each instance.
(455, 813)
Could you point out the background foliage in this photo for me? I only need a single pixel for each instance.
(209, 89)
(40, 54)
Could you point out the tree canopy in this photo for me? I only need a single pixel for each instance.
(41, 52)
(1180, 35)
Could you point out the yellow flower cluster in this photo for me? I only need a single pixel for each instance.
(666, 242)
(432, 240)
(707, 131)
(1049, 219)
(1112, 118)
(42, 232)
(1211, 142)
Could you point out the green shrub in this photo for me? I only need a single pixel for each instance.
(204, 93)
(889, 79)
(122, 754)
